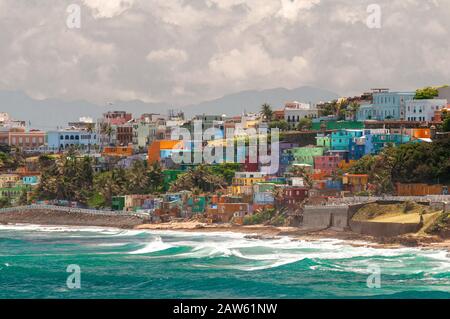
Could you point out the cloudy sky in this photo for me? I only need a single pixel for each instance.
(186, 51)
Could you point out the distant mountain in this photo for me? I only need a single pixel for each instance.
(251, 101)
(49, 113)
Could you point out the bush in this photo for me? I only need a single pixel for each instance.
(440, 224)
(260, 217)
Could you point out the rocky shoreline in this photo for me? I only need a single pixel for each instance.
(47, 217)
(43, 217)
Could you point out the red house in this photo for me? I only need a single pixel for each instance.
(328, 164)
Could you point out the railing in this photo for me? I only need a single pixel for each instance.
(70, 210)
(335, 202)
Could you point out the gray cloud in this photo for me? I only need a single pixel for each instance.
(185, 51)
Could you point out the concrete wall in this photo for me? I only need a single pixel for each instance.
(325, 217)
(383, 229)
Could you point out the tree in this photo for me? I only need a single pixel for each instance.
(446, 124)
(200, 177)
(282, 125)
(426, 93)
(226, 170)
(266, 111)
(353, 109)
(278, 197)
(155, 178)
(137, 178)
(304, 124)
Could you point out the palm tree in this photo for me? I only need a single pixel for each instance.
(266, 111)
(200, 177)
(278, 196)
(353, 109)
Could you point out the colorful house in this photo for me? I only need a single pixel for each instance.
(305, 155)
(164, 149)
(341, 140)
(30, 180)
(243, 182)
(337, 125)
(324, 141)
(328, 164)
(294, 195)
(380, 141)
(118, 151)
(355, 183)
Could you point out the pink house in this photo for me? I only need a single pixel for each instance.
(327, 164)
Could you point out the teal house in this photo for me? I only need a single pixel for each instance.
(341, 140)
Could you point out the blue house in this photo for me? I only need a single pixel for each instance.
(30, 180)
(385, 105)
(63, 139)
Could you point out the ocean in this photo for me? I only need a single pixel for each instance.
(116, 263)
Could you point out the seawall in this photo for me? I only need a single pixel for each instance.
(74, 217)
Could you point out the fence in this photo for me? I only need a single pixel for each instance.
(70, 210)
(336, 202)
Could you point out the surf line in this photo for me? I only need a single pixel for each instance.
(185, 309)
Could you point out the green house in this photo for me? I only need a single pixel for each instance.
(338, 125)
(324, 141)
(118, 203)
(198, 204)
(14, 192)
(305, 155)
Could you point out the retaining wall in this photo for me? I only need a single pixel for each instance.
(325, 217)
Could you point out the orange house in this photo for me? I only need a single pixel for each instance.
(120, 151)
(421, 133)
(160, 147)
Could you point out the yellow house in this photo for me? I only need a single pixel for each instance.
(8, 180)
(243, 182)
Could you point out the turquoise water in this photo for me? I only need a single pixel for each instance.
(164, 264)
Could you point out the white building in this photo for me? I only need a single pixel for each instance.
(423, 110)
(295, 111)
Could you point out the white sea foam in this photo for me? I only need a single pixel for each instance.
(155, 245)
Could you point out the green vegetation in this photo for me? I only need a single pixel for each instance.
(201, 178)
(72, 178)
(266, 111)
(226, 170)
(445, 122)
(407, 163)
(426, 93)
(304, 124)
(267, 217)
(10, 159)
(281, 124)
(441, 224)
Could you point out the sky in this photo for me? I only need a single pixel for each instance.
(187, 51)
